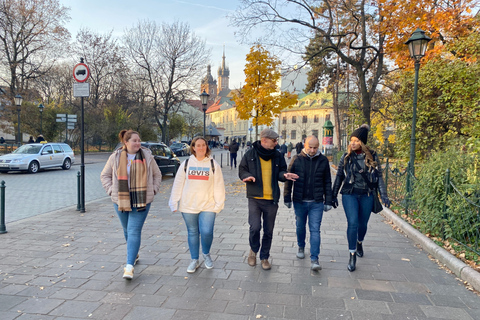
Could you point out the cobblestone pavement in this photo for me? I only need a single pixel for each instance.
(67, 265)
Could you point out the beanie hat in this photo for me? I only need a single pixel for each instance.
(361, 133)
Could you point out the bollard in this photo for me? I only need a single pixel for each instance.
(3, 229)
(228, 160)
(221, 160)
(78, 191)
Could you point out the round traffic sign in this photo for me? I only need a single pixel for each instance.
(81, 72)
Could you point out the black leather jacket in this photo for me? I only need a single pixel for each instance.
(346, 177)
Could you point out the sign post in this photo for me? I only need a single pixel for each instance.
(81, 74)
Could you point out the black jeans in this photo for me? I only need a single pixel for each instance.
(256, 209)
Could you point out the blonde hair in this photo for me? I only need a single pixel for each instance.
(192, 146)
(369, 161)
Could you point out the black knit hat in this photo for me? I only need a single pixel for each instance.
(361, 133)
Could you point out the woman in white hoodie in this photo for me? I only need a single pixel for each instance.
(198, 192)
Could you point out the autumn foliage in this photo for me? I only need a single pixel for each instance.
(260, 98)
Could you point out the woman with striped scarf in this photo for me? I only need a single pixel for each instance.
(132, 178)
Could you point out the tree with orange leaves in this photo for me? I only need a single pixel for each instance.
(443, 21)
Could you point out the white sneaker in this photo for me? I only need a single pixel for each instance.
(128, 272)
(208, 261)
(192, 267)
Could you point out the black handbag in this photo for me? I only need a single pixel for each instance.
(377, 206)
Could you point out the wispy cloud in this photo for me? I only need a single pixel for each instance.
(204, 6)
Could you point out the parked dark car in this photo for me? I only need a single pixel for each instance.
(166, 160)
(180, 148)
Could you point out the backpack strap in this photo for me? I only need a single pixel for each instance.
(211, 163)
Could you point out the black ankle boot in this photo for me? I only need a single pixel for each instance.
(352, 262)
(359, 249)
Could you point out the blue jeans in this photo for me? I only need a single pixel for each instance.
(132, 223)
(233, 158)
(358, 208)
(199, 226)
(313, 211)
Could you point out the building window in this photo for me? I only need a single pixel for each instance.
(315, 133)
(304, 119)
(294, 134)
(284, 120)
(316, 118)
(284, 134)
(294, 119)
(327, 117)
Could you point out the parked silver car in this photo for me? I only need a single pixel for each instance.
(35, 156)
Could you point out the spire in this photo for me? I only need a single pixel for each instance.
(223, 57)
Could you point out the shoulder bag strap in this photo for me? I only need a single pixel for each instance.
(364, 175)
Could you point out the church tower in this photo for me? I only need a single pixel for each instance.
(209, 85)
(223, 77)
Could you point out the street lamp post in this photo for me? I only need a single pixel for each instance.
(40, 108)
(18, 103)
(417, 45)
(204, 97)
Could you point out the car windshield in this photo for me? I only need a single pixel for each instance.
(176, 145)
(28, 149)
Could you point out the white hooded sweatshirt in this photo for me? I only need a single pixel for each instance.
(198, 189)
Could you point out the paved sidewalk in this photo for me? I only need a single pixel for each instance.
(66, 265)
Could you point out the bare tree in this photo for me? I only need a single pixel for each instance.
(348, 29)
(171, 59)
(32, 37)
(105, 61)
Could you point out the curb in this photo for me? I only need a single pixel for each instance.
(461, 270)
(457, 266)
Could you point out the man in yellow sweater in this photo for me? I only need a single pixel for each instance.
(261, 168)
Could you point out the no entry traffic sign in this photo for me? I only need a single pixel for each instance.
(81, 72)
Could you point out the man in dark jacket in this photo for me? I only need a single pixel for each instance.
(233, 148)
(261, 168)
(299, 147)
(312, 194)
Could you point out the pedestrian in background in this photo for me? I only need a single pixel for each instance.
(299, 147)
(40, 139)
(358, 169)
(289, 150)
(312, 194)
(198, 192)
(132, 178)
(283, 149)
(261, 168)
(233, 148)
(31, 140)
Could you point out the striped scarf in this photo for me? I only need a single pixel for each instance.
(136, 196)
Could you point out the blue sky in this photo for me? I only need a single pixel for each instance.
(207, 18)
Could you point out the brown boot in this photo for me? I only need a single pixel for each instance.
(266, 265)
(252, 258)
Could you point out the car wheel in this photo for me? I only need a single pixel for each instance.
(175, 171)
(67, 164)
(33, 167)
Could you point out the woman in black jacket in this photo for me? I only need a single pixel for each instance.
(359, 172)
